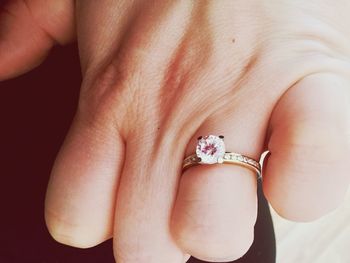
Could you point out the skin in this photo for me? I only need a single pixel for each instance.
(269, 75)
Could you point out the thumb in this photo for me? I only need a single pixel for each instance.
(29, 29)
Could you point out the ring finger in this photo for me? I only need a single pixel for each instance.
(216, 206)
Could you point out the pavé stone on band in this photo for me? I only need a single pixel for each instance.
(211, 149)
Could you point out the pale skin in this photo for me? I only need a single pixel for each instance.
(269, 75)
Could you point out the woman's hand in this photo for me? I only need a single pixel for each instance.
(269, 75)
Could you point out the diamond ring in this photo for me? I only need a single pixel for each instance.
(211, 149)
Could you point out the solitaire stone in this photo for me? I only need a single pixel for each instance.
(210, 149)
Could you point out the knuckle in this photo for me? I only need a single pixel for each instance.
(144, 249)
(72, 235)
(231, 249)
(131, 254)
(213, 243)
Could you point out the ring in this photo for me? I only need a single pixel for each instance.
(211, 149)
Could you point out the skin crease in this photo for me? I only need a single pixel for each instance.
(269, 75)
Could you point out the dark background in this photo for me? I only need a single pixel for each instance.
(36, 110)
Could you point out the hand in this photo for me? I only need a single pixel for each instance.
(269, 75)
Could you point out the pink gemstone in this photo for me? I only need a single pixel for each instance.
(210, 149)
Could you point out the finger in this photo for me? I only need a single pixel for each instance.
(216, 206)
(145, 197)
(80, 198)
(28, 30)
(307, 172)
(150, 174)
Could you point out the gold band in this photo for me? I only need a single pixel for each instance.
(229, 158)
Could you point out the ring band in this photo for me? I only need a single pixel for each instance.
(211, 149)
(229, 158)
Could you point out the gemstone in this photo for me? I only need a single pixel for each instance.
(210, 149)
